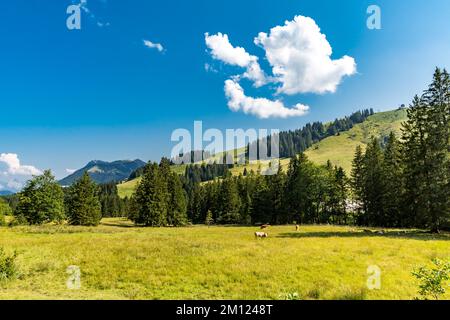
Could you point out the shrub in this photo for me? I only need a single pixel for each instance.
(8, 266)
(18, 220)
(5, 210)
(433, 280)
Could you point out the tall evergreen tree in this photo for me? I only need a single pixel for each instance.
(373, 185)
(82, 202)
(357, 182)
(437, 98)
(149, 206)
(177, 205)
(229, 202)
(393, 183)
(415, 205)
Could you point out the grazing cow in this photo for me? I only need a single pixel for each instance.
(261, 235)
(265, 226)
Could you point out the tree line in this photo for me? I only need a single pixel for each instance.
(395, 182)
(293, 142)
(408, 183)
(306, 193)
(43, 200)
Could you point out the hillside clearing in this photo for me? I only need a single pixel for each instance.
(120, 261)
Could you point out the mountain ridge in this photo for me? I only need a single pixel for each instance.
(104, 172)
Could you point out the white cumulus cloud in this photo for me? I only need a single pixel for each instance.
(13, 174)
(221, 49)
(300, 56)
(300, 59)
(261, 107)
(153, 45)
(14, 167)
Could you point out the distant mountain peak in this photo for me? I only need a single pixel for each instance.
(105, 172)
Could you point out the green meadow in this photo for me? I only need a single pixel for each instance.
(120, 261)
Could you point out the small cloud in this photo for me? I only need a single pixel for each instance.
(103, 24)
(153, 45)
(83, 5)
(210, 68)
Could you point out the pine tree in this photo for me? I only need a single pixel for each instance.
(276, 186)
(393, 183)
(357, 181)
(340, 190)
(82, 202)
(426, 136)
(229, 202)
(300, 181)
(149, 206)
(260, 208)
(437, 98)
(195, 202)
(373, 185)
(415, 204)
(42, 200)
(177, 204)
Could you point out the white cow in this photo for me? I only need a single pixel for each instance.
(261, 235)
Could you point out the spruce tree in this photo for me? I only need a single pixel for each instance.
(177, 205)
(373, 185)
(437, 98)
(425, 152)
(82, 202)
(357, 182)
(415, 206)
(229, 202)
(276, 186)
(393, 183)
(149, 206)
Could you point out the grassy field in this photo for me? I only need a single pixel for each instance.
(119, 261)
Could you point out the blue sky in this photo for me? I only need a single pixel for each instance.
(71, 96)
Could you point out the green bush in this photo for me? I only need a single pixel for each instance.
(433, 280)
(18, 220)
(8, 266)
(5, 210)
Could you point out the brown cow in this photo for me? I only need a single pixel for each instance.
(265, 226)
